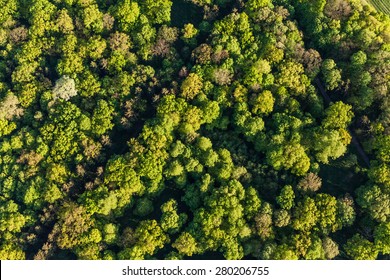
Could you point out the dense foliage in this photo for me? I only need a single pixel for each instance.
(226, 129)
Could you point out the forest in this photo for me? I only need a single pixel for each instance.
(194, 129)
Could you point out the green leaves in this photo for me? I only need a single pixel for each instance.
(359, 248)
(101, 118)
(305, 215)
(148, 239)
(286, 197)
(131, 137)
(289, 156)
(159, 11)
(382, 238)
(11, 220)
(293, 78)
(375, 201)
(171, 221)
(331, 74)
(191, 86)
(263, 103)
(185, 244)
(338, 115)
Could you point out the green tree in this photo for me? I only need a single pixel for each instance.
(101, 118)
(382, 238)
(11, 251)
(12, 220)
(286, 197)
(143, 207)
(281, 218)
(185, 244)
(126, 13)
(158, 11)
(191, 86)
(263, 103)
(293, 78)
(149, 237)
(290, 157)
(171, 221)
(375, 202)
(331, 74)
(327, 208)
(359, 248)
(305, 215)
(338, 115)
(330, 144)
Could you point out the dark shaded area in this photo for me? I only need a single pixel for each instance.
(183, 12)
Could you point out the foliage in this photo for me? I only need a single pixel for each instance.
(239, 129)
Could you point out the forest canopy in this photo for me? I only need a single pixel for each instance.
(194, 129)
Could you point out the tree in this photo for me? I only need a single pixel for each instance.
(158, 11)
(310, 183)
(119, 42)
(315, 250)
(257, 73)
(148, 237)
(9, 107)
(380, 173)
(331, 74)
(330, 144)
(283, 252)
(337, 9)
(263, 222)
(263, 103)
(202, 54)
(126, 13)
(12, 220)
(65, 88)
(382, 238)
(11, 251)
(286, 197)
(289, 156)
(92, 18)
(345, 211)
(327, 207)
(293, 78)
(110, 233)
(305, 215)
(185, 244)
(101, 119)
(252, 202)
(375, 202)
(189, 31)
(74, 224)
(338, 115)
(222, 76)
(64, 22)
(359, 248)
(312, 61)
(281, 218)
(331, 248)
(255, 5)
(171, 222)
(191, 86)
(381, 146)
(144, 207)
